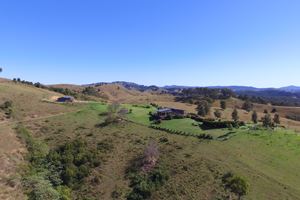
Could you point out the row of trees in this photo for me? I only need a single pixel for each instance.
(204, 107)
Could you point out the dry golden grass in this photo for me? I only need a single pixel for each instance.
(118, 93)
(27, 101)
(11, 156)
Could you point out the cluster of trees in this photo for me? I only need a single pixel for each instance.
(92, 91)
(193, 95)
(274, 97)
(64, 91)
(204, 106)
(266, 119)
(37, 84)
(53, 174)
(39, 179)
(74, 161)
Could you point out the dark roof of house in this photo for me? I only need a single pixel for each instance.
(168, 110)
(66, 97)
(164, 110)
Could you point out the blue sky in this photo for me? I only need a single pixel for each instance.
(162, 42)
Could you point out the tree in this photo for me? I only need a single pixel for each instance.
(276, 119)
(151, 156)
(274, 110)
(267, 121)
(248, 106)
(203, 108)
(90, 91)
(254, 117)
(1, 69)
(218, 114)
(112, 113)
(223, 104)
(266, 111)
(235, 115)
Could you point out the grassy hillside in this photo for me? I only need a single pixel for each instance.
(27, 101)
(265, 158)
(26, 104)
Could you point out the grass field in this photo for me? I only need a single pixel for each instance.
(190, 126)
(139, 114)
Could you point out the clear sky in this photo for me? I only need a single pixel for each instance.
(162, 42)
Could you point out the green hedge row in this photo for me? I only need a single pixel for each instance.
(183, 133)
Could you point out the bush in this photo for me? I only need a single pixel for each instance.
(235, 184)
(7, 108)
(144, 184)
(39, 188)
(205, 136)
(75, 160)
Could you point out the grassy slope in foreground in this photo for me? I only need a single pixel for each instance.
(267, 159)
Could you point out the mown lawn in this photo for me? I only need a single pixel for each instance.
(139, 114)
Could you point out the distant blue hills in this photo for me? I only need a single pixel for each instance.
(131, 85)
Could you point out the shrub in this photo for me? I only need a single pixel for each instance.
(235, 184)
(75, 160)
(39, 188)
(7, 108)
(144, 184)
(205, 136)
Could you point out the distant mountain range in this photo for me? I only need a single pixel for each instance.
(131, 85)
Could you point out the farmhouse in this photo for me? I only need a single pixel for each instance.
(65, 99)
(170, 112)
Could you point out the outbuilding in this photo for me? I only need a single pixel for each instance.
(65, 99)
